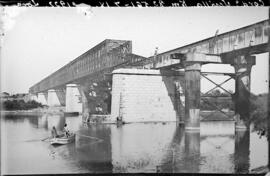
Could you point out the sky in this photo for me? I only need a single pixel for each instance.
(35, 42)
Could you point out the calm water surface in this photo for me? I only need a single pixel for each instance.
(128, 148)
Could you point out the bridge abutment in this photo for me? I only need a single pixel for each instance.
(242, 65)
(52, 98)
(73, 99)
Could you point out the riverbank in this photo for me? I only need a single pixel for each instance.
(60, 110)
(36, 111)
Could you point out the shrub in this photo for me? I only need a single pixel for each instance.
(20, 105)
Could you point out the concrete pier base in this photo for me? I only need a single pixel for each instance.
(52, 98)
(73, 99)
(41, 98)
(192, 96)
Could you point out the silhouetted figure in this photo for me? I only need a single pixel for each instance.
(66, 131)
(54, 132)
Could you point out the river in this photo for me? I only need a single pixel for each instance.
(137, 147)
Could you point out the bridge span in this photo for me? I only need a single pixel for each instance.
(87, 79)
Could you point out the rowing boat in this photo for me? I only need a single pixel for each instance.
(62, 139)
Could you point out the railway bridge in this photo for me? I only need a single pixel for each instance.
(88, 77)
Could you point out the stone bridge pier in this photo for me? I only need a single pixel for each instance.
(147, 95)
(42, 98)
(68, 96)
(53, 99)
(73, 98)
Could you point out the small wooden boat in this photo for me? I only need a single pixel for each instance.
(62, 139)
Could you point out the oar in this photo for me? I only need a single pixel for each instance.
(45, 138)
(89, 137)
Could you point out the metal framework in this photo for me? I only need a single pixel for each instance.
(204, 95)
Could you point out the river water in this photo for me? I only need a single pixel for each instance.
(138, 147)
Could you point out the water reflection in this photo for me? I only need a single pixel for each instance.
(241, 154)
(137, 147)
(140, 147)
(43, 122)
(217, 147)
(56, 120)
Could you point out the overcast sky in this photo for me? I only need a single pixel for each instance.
(38, 41)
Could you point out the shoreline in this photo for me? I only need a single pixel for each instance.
(34, 112)
(61, 111)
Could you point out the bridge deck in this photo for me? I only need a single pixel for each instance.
(252, 39)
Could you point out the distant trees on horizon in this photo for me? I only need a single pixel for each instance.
(20, 105)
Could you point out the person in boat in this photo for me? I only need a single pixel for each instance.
(54, 132)
(66, 130)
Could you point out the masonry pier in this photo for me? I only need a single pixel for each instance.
(141, 95)
(52, 98)
(73, 99)
(42, 98)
